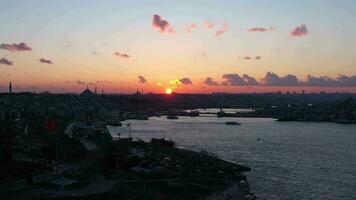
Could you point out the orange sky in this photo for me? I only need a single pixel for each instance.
(64, 46)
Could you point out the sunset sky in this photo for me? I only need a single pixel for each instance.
(199, 46)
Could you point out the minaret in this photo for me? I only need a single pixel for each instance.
(10, 88)
(96, 90)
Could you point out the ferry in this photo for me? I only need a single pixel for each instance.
(233, 123)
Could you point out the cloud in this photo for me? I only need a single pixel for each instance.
(190, 27)
(233, 79)
(210, 81)
(320, 81)
(237, 80)
(161, 24)
(15, 47)
(247, 58)
(209, 25)
(5, 61)
(300, 31)
(251, 57)
(222, 30)
(325, 81)
(45, 61)
(186, 81)
(347, 81)
(272, 79)
(249, 80)
(141, 79)
(122, 55)
(260, 29)
(79, 82)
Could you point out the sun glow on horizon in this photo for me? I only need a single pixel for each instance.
(169, 91)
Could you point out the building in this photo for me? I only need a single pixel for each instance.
(10, 88)
(87, 93)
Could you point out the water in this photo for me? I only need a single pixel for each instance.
(289, 160)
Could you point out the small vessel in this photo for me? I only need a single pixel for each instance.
(172, 117)
(233, 123)
(115, 123)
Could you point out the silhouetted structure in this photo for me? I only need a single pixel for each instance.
(87, 93)
(10, 88)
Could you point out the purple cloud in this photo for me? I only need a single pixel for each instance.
(142, 79)
(15, 47)
(272, 79)
(249, 80)
(122, 55)
(347, 81)
(260, 29)
(186, 81)
(237, 80)
(300, 31)
(210, 81)
(325, 81)
(161, 24)
(45, 61)
(5, 61)
(233, 80)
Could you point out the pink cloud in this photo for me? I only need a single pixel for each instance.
(209, 25)
(15, 47)
(222, 30)
(300, 31)
(161, 24)
(190, 27)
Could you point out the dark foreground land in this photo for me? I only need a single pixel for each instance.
(127, 169)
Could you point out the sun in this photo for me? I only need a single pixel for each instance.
(169, 91)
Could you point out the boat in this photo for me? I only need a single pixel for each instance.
(115, 123)
(233, 123)
(172, 117)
